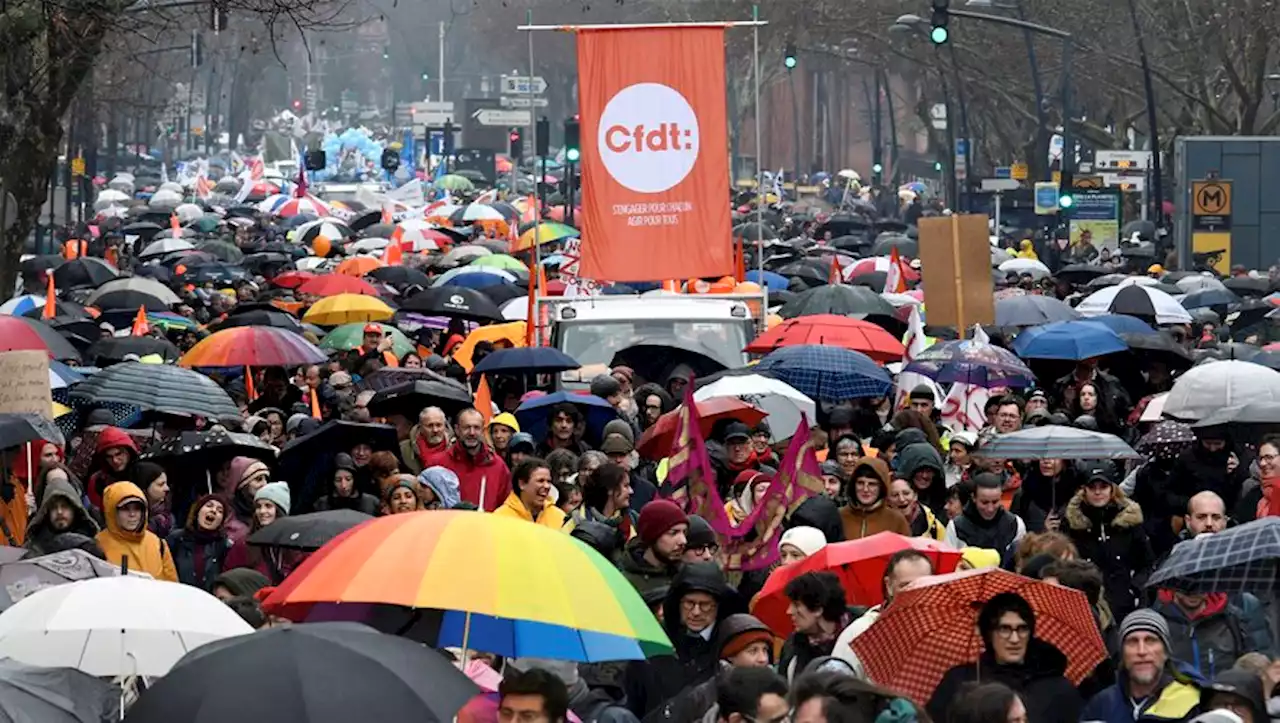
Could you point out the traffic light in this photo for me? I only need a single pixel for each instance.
(386, 52)
(218, 16)
(876, 169)
(544, 137)
(1066, 192)
(789, 56)
(937, 166)
(572, 149)
(941, 14)
(297, 104)
(390, 160)
(515, 144)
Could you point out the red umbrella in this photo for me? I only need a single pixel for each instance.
(253, 346)
(860, 564)
(334, 284)
(831, 330)
(656, 441)
(932, 626)
(18, 333)
(292, 279)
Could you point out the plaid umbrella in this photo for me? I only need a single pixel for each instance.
(972, 362)
(1167, 439)
(932, 626)
(1057, 442)
(826, 372)
(1241, 559)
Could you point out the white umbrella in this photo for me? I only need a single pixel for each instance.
(115, 626)
(780, 400)
(122, 182)
(111, 195)
(481, 212)
(1025, 266)
(188, 212)
(165, 200)
(1192, 284)
(370, 244)
(1156, 303)
(516, 309)
(1154, 411)
(165, 246)
(310, 263)
(1206, 388)
(170, 186)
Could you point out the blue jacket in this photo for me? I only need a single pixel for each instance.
(1178, 699)
(1212, 643)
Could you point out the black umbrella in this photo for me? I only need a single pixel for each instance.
(54, 695)
(263, 261)
(208, 448)
(307, 462)
(129, 299)
(843, 224)
(1159, 347)
(454, 301)
(838, 299)
(1236, 351)
(157, 388)
(311, 673)
(1032, 310)
(905, 246)
(217, 273)
(502, 293)
(142, 228)
(1247, 285)
(410, 398)
(850, 243)
(400, 276)
(1108, 279)
(75, 326)
(873, 280)
(154, 271)
(1241, 559)
(807, 271)
(1081, 273)
(755, 232)
(364, 220)
(37, 264)
(1268, 359)
(113, 349)
(18, 429)
(83, 273)
(1248, 313)
(1145, 229)
(307, 532)
(260, 317)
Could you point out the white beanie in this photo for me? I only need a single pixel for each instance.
(808, 540)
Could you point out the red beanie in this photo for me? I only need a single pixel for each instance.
(656, 518)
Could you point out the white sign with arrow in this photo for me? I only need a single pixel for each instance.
(500, 117)
(523, 85)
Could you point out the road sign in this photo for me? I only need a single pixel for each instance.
(77, 166)
(521, 101)
(498, 117)
(1087, 182)
(1120, 161)
(523, 85)
(1004, 172)
(1123, 182)
(938, 116)
(1000, 184)
(962, 159)
(1046, 198)
(430, 114)
(1211, 204)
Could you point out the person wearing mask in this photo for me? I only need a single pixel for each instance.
(563, 421)
(478, 468)
(243, 478)
(153, 481)
(438, 489)
(818, 611)
(922, 521)
(866, 513)
(401, 496)
(530, 496)
(200, 547)
(61, 511)
(343, 494)
(921, 465)
(427, 439)
(271, 503)
(652, 558)
(1106, 528)
(903, 568)
(1014, 656)
(500, 431)
(127, 536)
(985, 522)
(743, 642)
(1148, 687)
(113, 460)
(698, 599)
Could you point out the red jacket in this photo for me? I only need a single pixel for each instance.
(102, 477)
(488, 468)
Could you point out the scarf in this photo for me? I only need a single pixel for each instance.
(160, 519)
(1269, 503)
(426, 450)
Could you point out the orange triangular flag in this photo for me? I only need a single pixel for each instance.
(894, 281)
(394, 255)
(532, 308)
(249, 390)
(140, 325)
(175, 225)
(740, 260)
(315, 404)
(835, 276)
(50, 298)
(482, 399)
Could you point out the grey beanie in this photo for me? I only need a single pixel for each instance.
(1146, 620)
(619, 426)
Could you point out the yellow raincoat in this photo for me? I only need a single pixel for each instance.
(147, 552)
(551, 516)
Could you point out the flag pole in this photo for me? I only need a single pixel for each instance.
(764, 288)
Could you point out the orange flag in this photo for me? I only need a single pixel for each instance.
(894, 281)
(386, 213)
(482, 399)
(315, 404)
(530, 317)
(542, 280)
(175, 225)
(50, 298)
(140, 325)
(249, 390)
(740, 260)
(835, 276)
(394, 255)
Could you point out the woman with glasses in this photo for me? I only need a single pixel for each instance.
(1262, 493)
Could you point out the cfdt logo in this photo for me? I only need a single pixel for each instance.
(648, 137)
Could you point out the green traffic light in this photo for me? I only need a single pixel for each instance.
(1066, 201)
(877, 168)
(572, 155)
(939, 35)
(937, 165)
(789, 61)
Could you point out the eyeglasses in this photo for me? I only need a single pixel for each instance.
(1268, 458)
(1008, 631)
(709, 549)
(706, 606)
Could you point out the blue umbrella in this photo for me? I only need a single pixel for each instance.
(1123, 324)
(62, 376)
(1209, 297)
(826, 372)
(545, 359)
(1032, 310)
(972, 362)
(1073, 340)
(767, 278)
(532, 414)
(477, 280)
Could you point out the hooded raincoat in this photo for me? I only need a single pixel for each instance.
(861, 521)
(40, 533)
(145, 552)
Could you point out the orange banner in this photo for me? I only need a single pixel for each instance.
(655, 159)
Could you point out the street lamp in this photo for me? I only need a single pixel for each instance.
(910, 23)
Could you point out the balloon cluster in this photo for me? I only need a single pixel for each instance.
(349, 152)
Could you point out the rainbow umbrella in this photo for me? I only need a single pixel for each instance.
(504, 586)
(351, 336)
(546, 233)
(252, 346)
(347, 309)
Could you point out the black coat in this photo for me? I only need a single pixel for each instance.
(1112, 538)
(1198, 470)
(1039, 681)
(183, 545)
(1160, 503)
(1049, 494)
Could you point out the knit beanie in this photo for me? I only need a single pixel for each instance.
(249, 470)
(656, 518)
(699, 533)
(277, 492)
(619, 426)
(752, 631)
(808, 540)
(1146, 620)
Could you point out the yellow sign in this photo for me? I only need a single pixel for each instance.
(1019, 171)
(1211, 198)
(1057, 178)
(1207, 241)
(77, 166)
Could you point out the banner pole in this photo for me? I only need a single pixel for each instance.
(764, 288)
(535, 319)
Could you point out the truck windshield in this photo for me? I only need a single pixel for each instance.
(596, 342)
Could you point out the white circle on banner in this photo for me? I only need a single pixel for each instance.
(648, 137)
